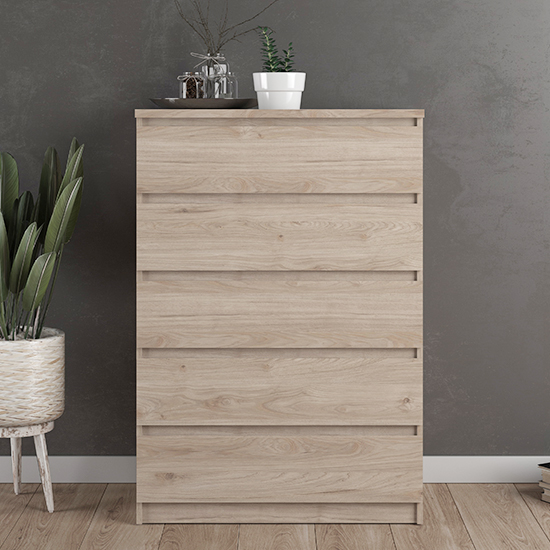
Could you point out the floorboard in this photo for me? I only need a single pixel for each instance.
(102, 517)
(200, 537)
(277, 537)
(540, 509)
(497, 517)
(443, 528)
(12, 506)
(353, 537)
(36, 528)
(114, 523)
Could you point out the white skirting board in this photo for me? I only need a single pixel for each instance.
(483, 469)
(437, 469)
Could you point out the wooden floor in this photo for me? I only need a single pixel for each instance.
(458, 517)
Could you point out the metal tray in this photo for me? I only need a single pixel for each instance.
(181, 103)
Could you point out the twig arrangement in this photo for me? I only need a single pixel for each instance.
(215, 34)
(273, 63)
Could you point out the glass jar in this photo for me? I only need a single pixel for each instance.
(227, 86)
(192, 85)
(220, 82)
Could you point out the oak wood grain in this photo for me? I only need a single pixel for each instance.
(113, 525)
(286, 115)
(300, 237)
(279, 469)
(497, 517)
(251, 122)
(277, 537)
(200, 537)
(353, 537)
(232, 353)
(278, 431)
(540, 509)
(267, 237)
(162, 512)
(197, 390)
(282, 199)
(280, 276)
(12, 505)
(442, 528)
(75, 505)
(262, 314)
(276, 159)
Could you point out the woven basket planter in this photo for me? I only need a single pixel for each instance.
(32, 379)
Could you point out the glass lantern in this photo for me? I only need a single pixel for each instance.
(220, 83)
(226, 86)
(192, 85)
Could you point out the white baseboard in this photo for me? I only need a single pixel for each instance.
(437, 469)
(482, 469)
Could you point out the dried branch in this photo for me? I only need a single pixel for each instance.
(252, 18)
(189, 22)
(203, 22)
(225, 15)
(225, 33)
(222, 24)
(234, 37)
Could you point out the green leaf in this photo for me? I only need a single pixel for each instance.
(12, 228)
(4, 259)
(9, 186)
(26, 205)
(38, 280)
(271, 59)
(23, 258)
(74, 215)
(23, 215)
(72, 150)
(49, 185)
(75, 169)
(63, 214)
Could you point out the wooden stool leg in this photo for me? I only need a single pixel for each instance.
(16, 463)
(44, 467)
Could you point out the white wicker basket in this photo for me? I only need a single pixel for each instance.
(32, 379)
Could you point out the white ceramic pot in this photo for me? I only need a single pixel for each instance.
(32, 379)
(279, 90)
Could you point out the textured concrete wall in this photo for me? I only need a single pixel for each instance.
(481, 71)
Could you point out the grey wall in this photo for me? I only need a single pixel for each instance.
(480, 69)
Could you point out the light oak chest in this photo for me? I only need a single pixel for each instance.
(279, 324)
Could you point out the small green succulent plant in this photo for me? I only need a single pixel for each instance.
(32, 236)
(272, 61)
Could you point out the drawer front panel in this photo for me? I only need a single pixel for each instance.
(222, 237)
(279, 469)
(248, 313)
(299, 391)
(279, 159)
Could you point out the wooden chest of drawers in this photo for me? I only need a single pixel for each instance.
(279, 324)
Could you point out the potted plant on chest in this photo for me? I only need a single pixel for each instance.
(32, 356)
(278, 86)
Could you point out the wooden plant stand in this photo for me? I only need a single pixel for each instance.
(38, 431)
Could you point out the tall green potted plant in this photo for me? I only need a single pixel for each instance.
(33, 234)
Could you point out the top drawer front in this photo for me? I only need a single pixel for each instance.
(287, 158)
